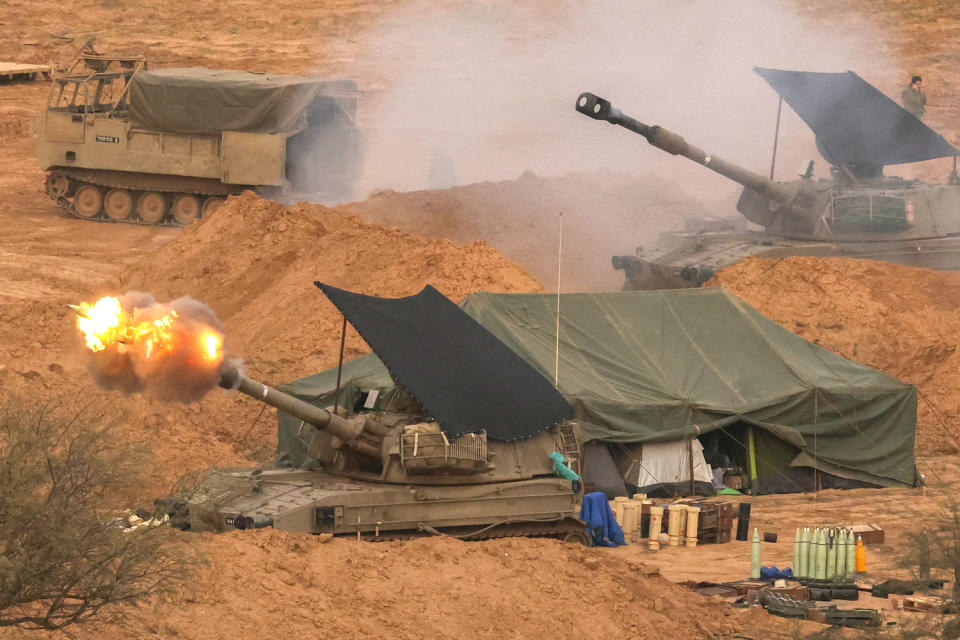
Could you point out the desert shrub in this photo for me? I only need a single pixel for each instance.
(66, 554)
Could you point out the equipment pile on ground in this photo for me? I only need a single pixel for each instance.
(13, 71)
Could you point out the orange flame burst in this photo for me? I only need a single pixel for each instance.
(106, 324)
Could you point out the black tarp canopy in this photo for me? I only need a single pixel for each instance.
(464, 377)
(854, 123)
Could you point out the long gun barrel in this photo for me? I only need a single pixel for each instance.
(350, 432)
(600, 109)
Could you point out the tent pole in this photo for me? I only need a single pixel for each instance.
(690, 460)
(753, 456)
(776, 138)
(343, 340)
(556, 361)
(816, 472)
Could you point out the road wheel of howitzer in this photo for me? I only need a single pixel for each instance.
(578, 537)
(118, 204)
(57, 185)
(88, 201)
(152, 206)
(186, 208)
(210, 205)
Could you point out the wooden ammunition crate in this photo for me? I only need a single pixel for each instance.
(725, 525)
(707, 523)
(645, 520)
(715, 523)
(869, 533)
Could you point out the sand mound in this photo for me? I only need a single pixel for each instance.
(603, 214)
(901, 320)
(254, 262)
(426, 588)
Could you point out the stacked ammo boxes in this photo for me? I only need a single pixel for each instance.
(716, 522)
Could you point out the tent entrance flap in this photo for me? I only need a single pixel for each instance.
(600, 471)
(662, 469)
(765, 463)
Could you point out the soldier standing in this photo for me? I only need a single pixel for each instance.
(914, 100)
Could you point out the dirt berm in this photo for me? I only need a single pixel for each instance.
(604, 213)
(254, 262)
(273, 584)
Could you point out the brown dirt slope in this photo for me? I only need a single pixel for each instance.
(254, 262)
(922, 33)
(603, 213)
(244, 33)
(901, 320)
(275, 584)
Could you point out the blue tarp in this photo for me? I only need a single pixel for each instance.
(601, 523)
(771, 573)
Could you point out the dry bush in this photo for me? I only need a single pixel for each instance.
(64, 555)
(932, 552)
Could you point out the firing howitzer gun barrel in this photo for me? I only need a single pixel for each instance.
(599, 109)
(351, 432)
(77, 309)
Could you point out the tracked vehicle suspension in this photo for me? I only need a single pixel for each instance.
(133, 199)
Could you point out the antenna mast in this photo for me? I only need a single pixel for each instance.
(556, 361)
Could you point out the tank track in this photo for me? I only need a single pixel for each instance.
(136, 184)
(560, 529)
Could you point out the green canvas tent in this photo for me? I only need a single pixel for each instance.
(662, 366)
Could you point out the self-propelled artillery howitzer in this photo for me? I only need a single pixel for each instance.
(857, 212)
(391, 473)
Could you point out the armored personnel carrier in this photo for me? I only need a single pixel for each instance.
(473, 466)
(856, 212)
(123, 143)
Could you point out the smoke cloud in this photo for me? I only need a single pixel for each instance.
(172, 352)
(486, 91)
(464, 92)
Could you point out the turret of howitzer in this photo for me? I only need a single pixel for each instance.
(790, 209)
(363, 436)
(392, 470)
(401, 446)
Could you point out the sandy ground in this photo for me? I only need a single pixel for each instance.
(285, 585)
(425, 588)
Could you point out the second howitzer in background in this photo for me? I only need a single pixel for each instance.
(857, 212)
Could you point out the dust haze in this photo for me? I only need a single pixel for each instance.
(475, 85)
(486, 92)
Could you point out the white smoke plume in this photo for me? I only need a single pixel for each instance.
(485, 91)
